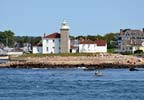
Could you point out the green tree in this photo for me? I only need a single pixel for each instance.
(99, 37)
(27, 39)
(110, 38)
(7, 38)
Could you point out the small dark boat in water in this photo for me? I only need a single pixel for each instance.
(97, 73)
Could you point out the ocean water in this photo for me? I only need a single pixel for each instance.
(71, 84)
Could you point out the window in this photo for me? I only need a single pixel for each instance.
(88, 45)
(47, 49)
(119, 38)
(47, 41)
(130, 48)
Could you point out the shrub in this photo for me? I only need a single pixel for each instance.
(138, 51)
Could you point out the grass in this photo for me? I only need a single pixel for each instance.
(60, 54)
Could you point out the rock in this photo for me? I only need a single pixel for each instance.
(133, 69)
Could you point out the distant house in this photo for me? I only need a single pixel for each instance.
(38, 48)
(74, 46)
(88, 46)
(27, 47)
(130, 40)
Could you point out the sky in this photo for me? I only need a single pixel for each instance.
(85, 17)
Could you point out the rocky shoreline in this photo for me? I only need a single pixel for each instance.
(90, 62)
(88, 66)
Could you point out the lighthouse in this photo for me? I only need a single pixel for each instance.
(64, 38)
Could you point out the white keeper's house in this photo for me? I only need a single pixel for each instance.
(60, 43)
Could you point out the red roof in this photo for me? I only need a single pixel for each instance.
(98, 42)
(53, 35)
(72, 47)
(87, 42)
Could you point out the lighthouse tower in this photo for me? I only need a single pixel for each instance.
(64, 39)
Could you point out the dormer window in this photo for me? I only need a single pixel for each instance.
(127, 34)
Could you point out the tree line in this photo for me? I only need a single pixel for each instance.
(8, 38)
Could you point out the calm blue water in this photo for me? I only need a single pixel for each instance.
(70, 84)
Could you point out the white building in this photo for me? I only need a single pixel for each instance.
(88, 46)
(51, 43)
(37, 48)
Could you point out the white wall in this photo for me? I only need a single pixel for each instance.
(37, 49)
(91, 48)
(87, 48)
(53, 45)
(101, 49)
(74, 50)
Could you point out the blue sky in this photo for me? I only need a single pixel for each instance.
(85, 17)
